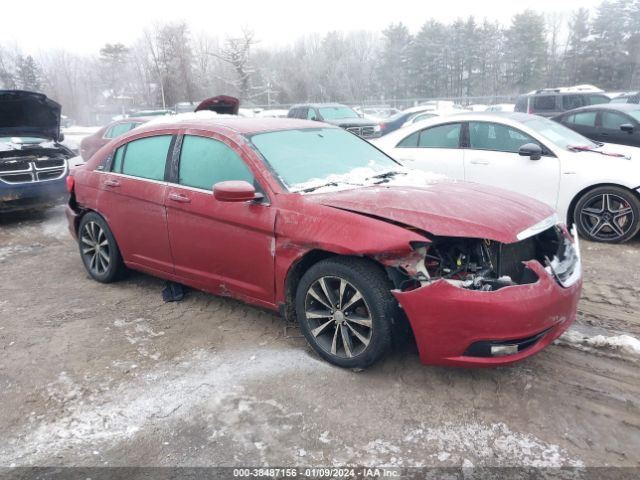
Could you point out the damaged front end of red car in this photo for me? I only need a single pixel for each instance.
(480, 302)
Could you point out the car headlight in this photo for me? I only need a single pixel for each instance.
(376, 128)
(539, 227)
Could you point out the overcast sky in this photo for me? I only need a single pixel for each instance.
(83, 26)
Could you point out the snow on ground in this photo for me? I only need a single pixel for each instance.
(55, 224)
(174, 387)
(617, 343)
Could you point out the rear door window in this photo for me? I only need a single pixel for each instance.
(569, 102)
(411, 141)
(143, 158)
(205, 161)
(544, 103)
(588, 119)
(442, 136)
(613, 120)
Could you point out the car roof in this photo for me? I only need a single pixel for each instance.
(623, 107)
(232, 123)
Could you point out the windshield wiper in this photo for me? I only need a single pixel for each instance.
(384, 177)
(586, 148)
(316, 187)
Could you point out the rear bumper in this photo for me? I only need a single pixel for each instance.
(24, 196)
(450, 323)
(73, 219)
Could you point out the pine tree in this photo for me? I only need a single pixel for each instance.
(28, 74)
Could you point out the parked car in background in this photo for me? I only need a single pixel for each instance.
(307, 219)
(151, 113)
(222, 104)
(398, 120)
(629, 97)
(92, 143)
(377, 113)
(476, 107)
(184, 107)
(275, 113)
(597, 186)
(610, 122)
(501, 107)
(549, 102)
(337, 114)
(33, 162)
(427, 115)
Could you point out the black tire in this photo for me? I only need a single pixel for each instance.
(98, 249)
(608, 214)
(376, 304)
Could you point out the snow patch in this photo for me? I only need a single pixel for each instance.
(367, 176)
(172, 389)
(623, 343)
(489, 445)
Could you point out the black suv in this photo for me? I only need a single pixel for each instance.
(336, 114)
(550, 102)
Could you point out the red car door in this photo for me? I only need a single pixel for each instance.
(221, 247)
(131, 199)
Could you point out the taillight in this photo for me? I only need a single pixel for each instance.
(70, 183)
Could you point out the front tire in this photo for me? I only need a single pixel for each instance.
(98, 249)
(345, 310)
(608, 214)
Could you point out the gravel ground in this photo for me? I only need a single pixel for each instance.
(95, 375)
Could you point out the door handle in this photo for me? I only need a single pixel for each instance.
(111, 183)
(177, 197)
(480, 162)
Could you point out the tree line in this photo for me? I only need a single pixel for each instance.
(466, 58)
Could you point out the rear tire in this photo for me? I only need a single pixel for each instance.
(99, 250)
(608, 214)
(345, 310)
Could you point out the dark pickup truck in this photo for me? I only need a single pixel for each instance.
(339, 115)
(33, 165)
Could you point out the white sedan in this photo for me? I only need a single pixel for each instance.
(595, 185)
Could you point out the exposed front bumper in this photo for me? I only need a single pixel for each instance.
(23, 196)
(447, 320)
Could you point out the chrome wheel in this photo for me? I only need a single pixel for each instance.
(95, 248)
(338, 316)
(607, 217)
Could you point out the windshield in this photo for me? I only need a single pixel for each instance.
(335, 113)
(316, 156)
(558, 134)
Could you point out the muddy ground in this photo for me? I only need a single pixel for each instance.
(94, 374)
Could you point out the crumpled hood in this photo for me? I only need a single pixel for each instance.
(27, 114)
(448, 208)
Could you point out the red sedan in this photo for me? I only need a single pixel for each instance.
(92, 143)
(314, 222)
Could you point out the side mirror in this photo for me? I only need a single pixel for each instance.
(61, 137)
(531, 150)
(626, 127)
(234, 191)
